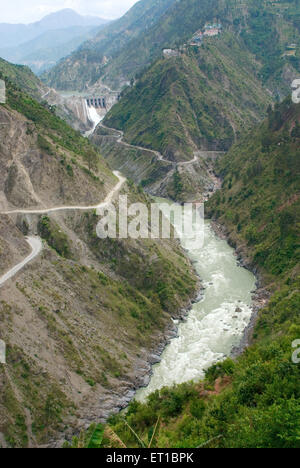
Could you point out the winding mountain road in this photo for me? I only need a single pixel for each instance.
(36, 247)
(36, 243)
(107, 200)
(96, 119)
(46, 94)
(157, 154)
(120, 140)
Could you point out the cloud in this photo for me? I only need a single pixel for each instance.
(20, 11)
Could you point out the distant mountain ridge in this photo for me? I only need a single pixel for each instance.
(44, 51)
(40, 45)
(12, 35)
(68, 17)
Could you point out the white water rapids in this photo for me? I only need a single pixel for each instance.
(215, 324)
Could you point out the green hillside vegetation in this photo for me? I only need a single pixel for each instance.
(251, 402)
(265, 27)
(23, 77)
(205, 97)
(262, 183)
(202, 99)
(29, 83)
(54, 134)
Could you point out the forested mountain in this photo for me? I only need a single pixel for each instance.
(201, 96)
(84, 322)
(201, 99)
(24, 78)
(266, 29)
(261, 189)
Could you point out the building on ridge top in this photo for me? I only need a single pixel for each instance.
(212, 29)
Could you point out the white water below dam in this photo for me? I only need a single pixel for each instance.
(216, 323)
(94, 117)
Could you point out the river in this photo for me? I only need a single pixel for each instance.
(215, 324)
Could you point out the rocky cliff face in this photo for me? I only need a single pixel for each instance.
(37, 172)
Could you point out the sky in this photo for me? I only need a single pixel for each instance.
(28, 11)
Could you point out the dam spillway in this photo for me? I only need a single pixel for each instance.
(98, 102)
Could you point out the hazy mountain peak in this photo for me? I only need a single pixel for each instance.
(66, 18)
(11, 35)
(41, 44)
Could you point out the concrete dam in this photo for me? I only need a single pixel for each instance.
(98, 102)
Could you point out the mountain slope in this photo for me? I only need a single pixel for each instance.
(190, 108)
(67, 361)
(250, 402)
(29, 83)
(24, 78)
(201, 99)
(266, 28)
(84, 66)
(262, 177)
